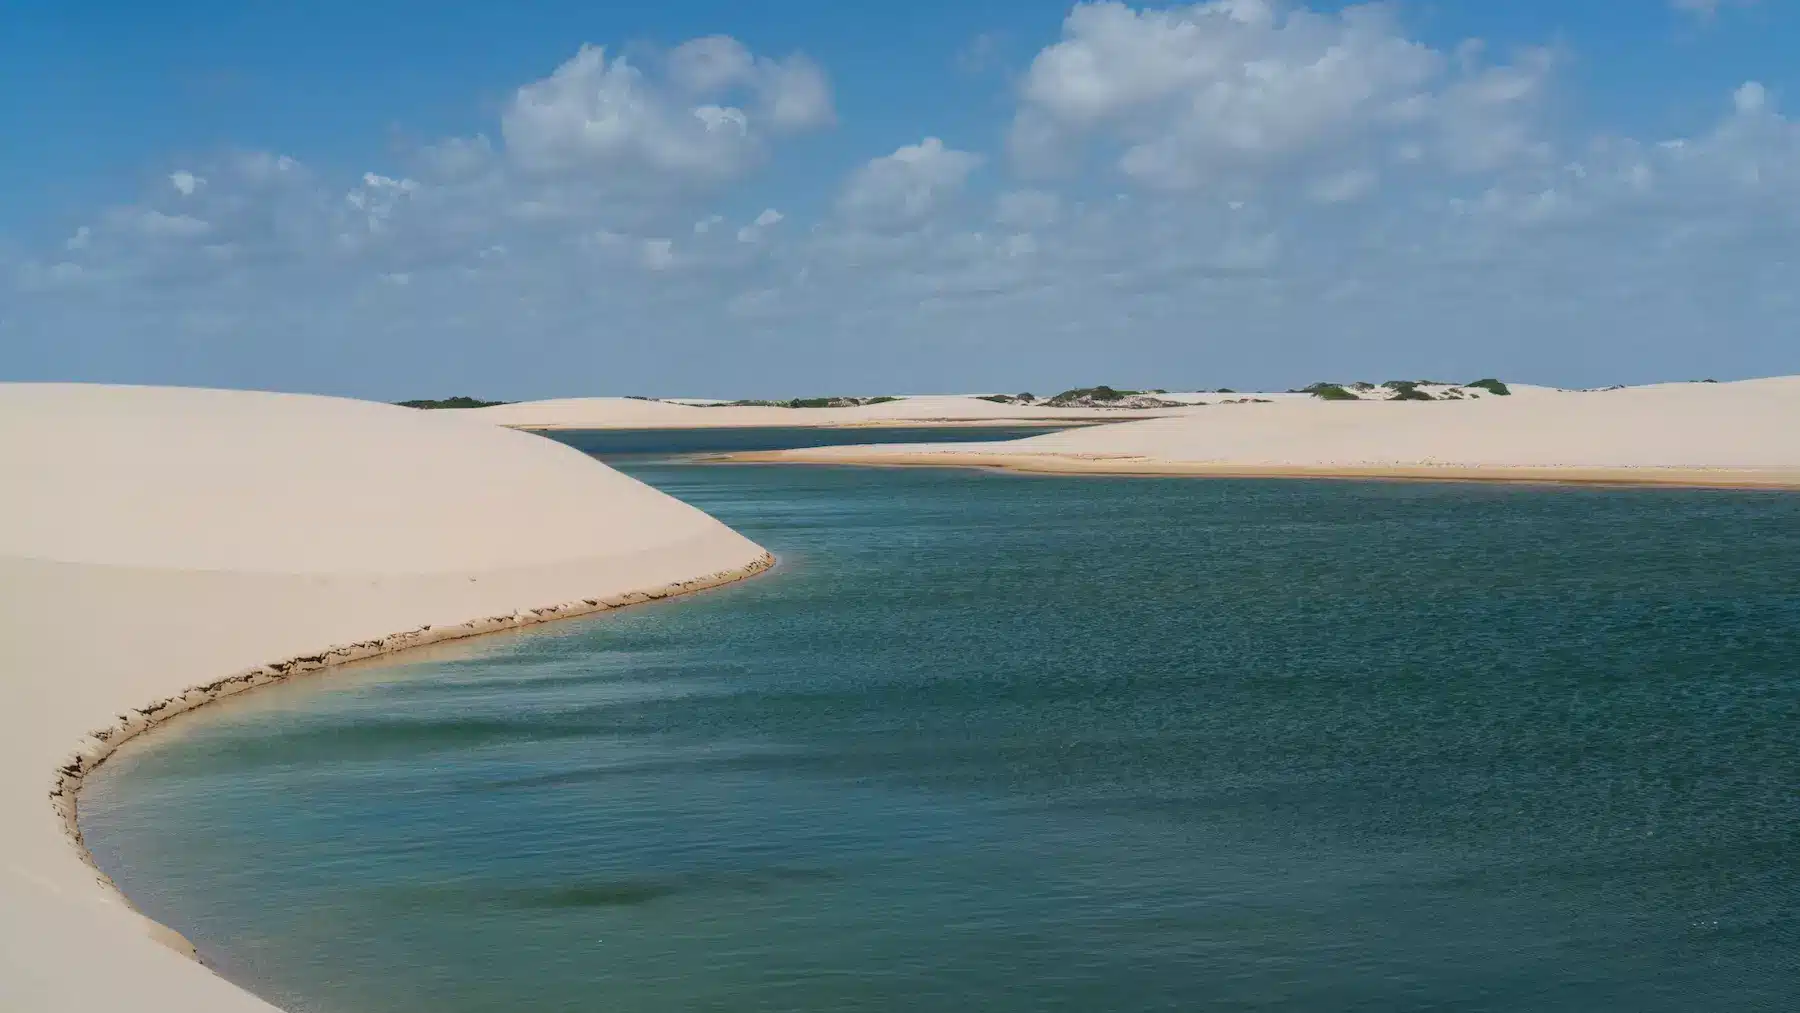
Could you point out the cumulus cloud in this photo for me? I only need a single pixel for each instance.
(601, 114)
(769, 218)
(1242, 210)
(790, 94)
(907, 186)
(1224, 94)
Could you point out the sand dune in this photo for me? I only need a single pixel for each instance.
(632, 413)
(156, 540)
(1744, 433)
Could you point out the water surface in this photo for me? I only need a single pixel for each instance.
(1006, 743)
(626, 445)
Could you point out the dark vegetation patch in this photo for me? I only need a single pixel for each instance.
(450, 402)
(807, 402)
(1327, 392)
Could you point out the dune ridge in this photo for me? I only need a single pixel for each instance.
(923, 410)
(1743, 434)
(171, 547)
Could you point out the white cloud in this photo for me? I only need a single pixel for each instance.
(709, 65)
(767, 219)
(602, 115)
(1026, 209)
(796, 95)
(185, 182)
(908, 185)
(791, 94)
(1223, 94)
(1307, 191)
(1750, 98)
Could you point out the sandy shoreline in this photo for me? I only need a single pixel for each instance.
(177, 546)
(1727, 435)
(101, 743)
(1137, 467)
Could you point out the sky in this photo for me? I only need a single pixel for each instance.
(809, 197)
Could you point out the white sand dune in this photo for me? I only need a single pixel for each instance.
(1730, 434)
(632, 413)
(156, 540)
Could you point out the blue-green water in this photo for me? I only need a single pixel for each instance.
(999, 743)
(625, 445)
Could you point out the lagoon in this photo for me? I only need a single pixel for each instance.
(1005, 743)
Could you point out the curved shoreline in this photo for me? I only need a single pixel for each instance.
(170, 544)
(1127, 466)
(101, 743)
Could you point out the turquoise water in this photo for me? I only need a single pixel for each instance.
(990, 742)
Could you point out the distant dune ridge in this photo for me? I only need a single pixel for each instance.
(1745, 433)
(1085, 405)
(161, 547)
(638, 413)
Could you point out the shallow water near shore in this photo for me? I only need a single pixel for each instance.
(993, 742)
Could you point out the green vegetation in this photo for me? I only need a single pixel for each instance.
(1491, 385)
(1407, 390)
(1100, 393)
(1328, 392)
(1362, 385)
(1107, 397)
(1224, 390)
(450, 402)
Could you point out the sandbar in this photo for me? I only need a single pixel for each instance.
(1744, 434)
(924, 411)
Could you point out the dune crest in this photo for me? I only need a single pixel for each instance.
(165, 547)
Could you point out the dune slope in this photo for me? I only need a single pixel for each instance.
(1745, 433)
(162, 547)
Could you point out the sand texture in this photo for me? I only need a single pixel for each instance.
(1743, 434)
(161, 547)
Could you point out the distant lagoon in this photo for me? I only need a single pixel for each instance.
(1003, 743)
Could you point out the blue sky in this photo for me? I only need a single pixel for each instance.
(767, 198)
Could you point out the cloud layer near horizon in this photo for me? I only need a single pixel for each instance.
(1228, 193)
